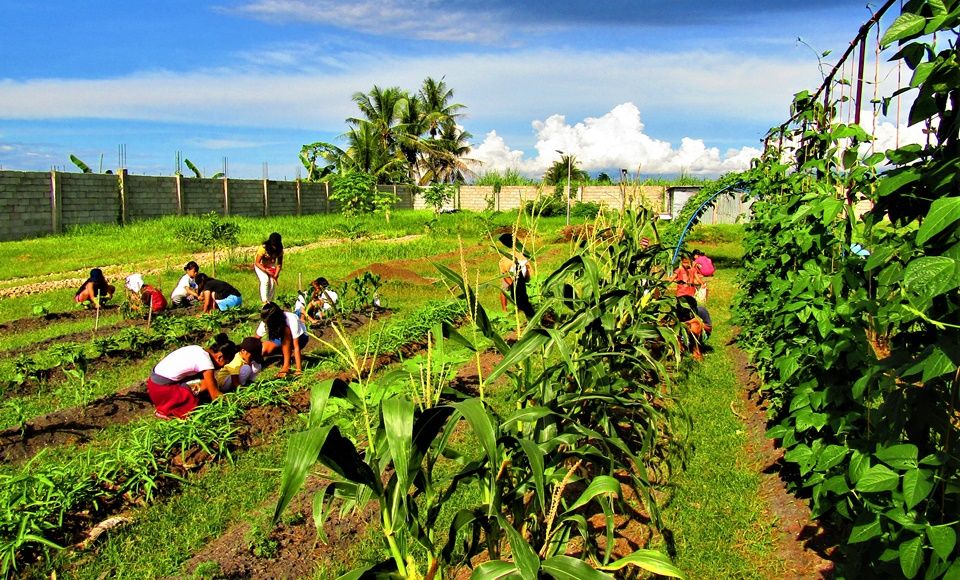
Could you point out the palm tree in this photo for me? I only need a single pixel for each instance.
(449, 163)
(557, 173)
(436, 98)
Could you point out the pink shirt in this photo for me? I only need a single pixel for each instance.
(706, 265)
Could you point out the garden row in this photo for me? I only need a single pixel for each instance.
(50, 501)
(591, 422)
(853, 321)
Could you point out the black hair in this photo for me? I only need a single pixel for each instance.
(321, 282)
(274, 244)
(273, 318)
(697, 252)
(201, 281)
(191, 265)
(99, 283)
(225, 346)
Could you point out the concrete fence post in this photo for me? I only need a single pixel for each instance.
(178, 183)
(266, 198)
(122, 186)
(326, 190)
(226, 197)
(56, 203)
(299, 200)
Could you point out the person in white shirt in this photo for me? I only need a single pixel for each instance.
(178, 380)
(322, 300)
(284, 331)
(185, 294)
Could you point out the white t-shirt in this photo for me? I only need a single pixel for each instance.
(183, 363)
(182, 285)
(328, 298)
(296, 326)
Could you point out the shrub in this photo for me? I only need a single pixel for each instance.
(357, 194)
(585, 209)
(438, 194)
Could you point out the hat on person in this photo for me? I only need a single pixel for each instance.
(134, 282)
(253, 345)
(191, 265)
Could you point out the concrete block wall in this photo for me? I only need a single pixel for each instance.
(25, 209)
(89, 198)
(150, 197)
(283, 197)
(246, 197)
(476, 197)
(202, 196)
(313, 197)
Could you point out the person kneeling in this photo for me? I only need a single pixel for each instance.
(216, 294)
(285, 332)
(178, 381)
(697, 321)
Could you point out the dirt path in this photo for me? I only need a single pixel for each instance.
(807, 548)
(28, 285)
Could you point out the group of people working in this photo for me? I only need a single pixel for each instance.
(191, 374)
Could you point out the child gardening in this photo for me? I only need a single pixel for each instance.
(267, 263)
(178, 381)
(94, 290)
(285, 332)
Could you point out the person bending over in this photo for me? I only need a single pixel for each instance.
(316, 308)
(217, 294)
(284, 332)
(267, 263)
(178, 381)
(94, 290)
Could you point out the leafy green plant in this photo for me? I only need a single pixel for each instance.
(357, 194)
(858, 353)
(41, 309)
(209, 231)
(438, 194)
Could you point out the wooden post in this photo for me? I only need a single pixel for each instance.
(178, 182)
(326, 189)
(459, 201)
(122, 181)
(299, 201)
(56, 203)
(266, 198)
(226, 197)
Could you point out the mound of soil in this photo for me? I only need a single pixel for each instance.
(389, 271)
(73, 426)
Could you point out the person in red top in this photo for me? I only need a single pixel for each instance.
(145, 294)
(177, 382)
(687, 278)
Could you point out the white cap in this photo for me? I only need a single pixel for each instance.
(134, 282)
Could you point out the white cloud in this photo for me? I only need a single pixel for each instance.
(423, 19)
(615, 140)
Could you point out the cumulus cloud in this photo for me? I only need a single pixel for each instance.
(615, 140)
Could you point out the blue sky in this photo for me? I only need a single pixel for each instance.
(661, 86)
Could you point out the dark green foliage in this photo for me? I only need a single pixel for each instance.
(859, 354)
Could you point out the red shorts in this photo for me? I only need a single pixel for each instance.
(172, 400)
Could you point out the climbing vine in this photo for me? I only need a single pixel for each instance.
(850, 310)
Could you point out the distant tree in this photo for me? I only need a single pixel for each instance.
(557, 173)
(603, 178)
